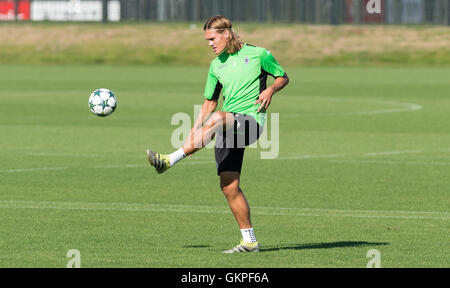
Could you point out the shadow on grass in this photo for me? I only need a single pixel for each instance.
(197, 246)
(306, 246)
(342, 244)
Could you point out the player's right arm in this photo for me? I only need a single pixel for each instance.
(212, 91)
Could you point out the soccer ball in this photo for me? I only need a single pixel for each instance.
(102, 102)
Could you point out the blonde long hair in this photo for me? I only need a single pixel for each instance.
(220, 24)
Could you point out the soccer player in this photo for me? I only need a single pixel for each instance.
(241, 71)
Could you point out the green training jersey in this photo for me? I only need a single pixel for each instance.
(242, 76)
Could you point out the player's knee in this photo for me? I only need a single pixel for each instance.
(220, 119)
(230, 190)
(214, 121)
(229, 183)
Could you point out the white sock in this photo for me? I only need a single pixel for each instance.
(248, 235)
(176, 156)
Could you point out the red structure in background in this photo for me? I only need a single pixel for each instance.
(351, 15)
(7, 10)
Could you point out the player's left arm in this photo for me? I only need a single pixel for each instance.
(272, 67)
(265, 98)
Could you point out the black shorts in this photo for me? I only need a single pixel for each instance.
(230, 145)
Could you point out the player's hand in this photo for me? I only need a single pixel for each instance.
(265, 98)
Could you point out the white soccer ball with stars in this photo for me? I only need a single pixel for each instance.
(102, 102)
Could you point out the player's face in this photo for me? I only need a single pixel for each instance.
(217, 40)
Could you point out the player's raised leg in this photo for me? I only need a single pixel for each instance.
(219, 121)
(199, 138)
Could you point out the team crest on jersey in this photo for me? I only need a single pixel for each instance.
(246, 60)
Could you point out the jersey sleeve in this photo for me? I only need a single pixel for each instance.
(213, 86)
(270, 65)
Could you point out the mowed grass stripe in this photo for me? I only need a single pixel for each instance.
(283, 158)
(386, 162)
(276, 211)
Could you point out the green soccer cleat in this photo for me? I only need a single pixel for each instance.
(161, 162)
(243, 247)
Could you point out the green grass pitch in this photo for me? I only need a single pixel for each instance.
(364, 163)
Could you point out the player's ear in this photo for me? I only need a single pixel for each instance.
(227, 34)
